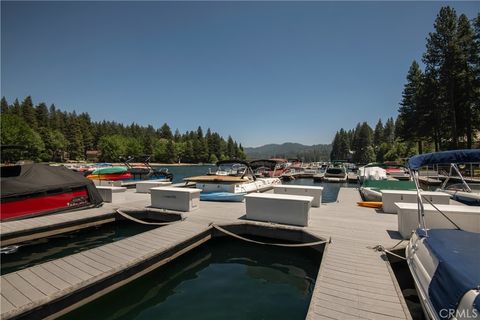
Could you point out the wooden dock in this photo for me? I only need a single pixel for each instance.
(354, 282)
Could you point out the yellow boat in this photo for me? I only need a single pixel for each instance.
(370, 204)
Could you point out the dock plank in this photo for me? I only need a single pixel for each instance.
(37, 282)
(12, 293)
(82, 266)
(24, 287)
(5, 305)
(90, 262)
(49, 277)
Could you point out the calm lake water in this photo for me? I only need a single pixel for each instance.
(222, 279)
(42, 250)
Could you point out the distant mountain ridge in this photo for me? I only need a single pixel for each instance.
(289, 150)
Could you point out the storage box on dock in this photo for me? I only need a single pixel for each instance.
(315, 192)
(180, 199)
(389, 197)
(145, 186)
(466, 217)
(107, 183)
(112, 194)
(278, 208)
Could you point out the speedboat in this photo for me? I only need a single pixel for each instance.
(144, 171)
(110, 173)
(444, 263)
(269, 168)
(37, 189)
(231, 179)
(335, 173)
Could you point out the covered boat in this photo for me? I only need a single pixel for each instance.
(371, 189)
(444, 263)
(36, 189)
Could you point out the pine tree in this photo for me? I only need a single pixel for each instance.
(4, 106)
(412, 111)
(468, 55)
(378, 134)
(166, 132)
(28, 112)
(42, 116)
(440, 60)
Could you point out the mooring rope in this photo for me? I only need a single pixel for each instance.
(381, 248)
(123, 214)
(309, 244)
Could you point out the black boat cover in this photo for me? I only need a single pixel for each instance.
(29, 179)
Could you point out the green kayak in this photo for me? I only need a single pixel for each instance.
(110, 170)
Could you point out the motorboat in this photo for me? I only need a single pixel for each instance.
(371, 189)
(371, 171)
(335, 173)
(232, 179)
(36, 189)
(444, 263)
(114, 173)
(144, 171)
(269, 168)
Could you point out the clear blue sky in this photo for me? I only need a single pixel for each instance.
(264, 72)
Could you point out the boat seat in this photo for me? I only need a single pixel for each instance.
(112, 194)
(278, 208)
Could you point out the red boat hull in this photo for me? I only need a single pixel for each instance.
(44, 203)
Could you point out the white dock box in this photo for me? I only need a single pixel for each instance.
(112, 194)
(278, 208)
(315, 192)
(389, 197)
(181, 199)
(145, 186)
(466, 217)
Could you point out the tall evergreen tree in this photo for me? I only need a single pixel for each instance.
(411, 111)
(28, 112)
(4, 106)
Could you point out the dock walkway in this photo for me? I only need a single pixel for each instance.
(354, 282)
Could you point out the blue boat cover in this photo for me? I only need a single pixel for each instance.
(222, 196)
(444, 157)
(458, 271)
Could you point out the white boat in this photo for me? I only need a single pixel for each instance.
(235, 177)
(335, 173)
(445, 263)
(371, 172)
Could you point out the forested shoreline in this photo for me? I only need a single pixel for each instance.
(50, 134)
(440, 106)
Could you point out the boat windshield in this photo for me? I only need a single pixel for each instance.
(231, 169)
